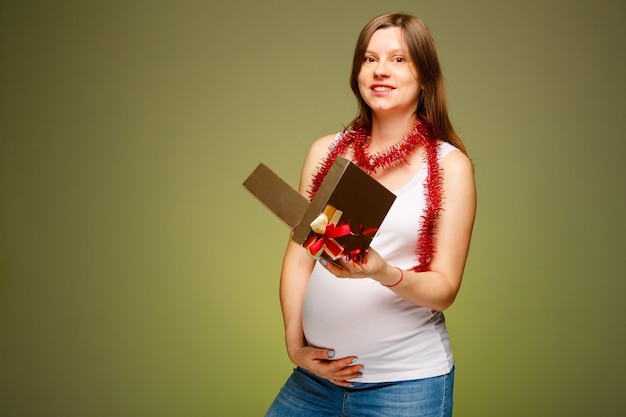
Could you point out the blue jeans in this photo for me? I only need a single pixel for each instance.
(306, 395)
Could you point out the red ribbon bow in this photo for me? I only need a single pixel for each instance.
(318, 243)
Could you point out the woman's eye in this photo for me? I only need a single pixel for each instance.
(369, 59)
(400, 59)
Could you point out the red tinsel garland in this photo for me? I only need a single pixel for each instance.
(420, 135)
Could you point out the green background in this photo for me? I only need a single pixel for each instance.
(137, 276)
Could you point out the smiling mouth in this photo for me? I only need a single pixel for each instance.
(381, 89)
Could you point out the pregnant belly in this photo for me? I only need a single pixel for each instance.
(357, 317)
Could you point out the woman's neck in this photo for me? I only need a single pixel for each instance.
(387, 130)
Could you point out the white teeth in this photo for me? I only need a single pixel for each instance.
(382, 89)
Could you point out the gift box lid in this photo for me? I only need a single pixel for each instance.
(276, 195)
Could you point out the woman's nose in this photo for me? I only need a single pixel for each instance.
(381, 69)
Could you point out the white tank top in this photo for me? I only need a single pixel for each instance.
(394, 339)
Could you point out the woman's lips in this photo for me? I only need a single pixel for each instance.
(381, 88)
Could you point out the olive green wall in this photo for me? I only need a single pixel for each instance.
(138, 278)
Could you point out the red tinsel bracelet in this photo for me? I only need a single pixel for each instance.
(398, 281)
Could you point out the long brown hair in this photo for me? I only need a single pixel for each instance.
(431, 105)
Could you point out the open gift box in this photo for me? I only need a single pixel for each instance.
(342, 218)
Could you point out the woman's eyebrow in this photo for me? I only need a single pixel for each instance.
(392, 52)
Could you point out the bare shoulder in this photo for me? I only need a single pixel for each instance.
(319, 148)
(458, 178)
(459, 186)
(316, 153)
(457, 163)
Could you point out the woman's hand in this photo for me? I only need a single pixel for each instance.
(322, 363)
(372, 266)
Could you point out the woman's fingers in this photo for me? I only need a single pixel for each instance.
(322, 363)
(341, 371)
(345, 375)
(349, 269)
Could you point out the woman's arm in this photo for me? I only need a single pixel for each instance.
(294, 277)
(438, 287)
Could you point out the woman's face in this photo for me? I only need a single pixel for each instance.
(388, 80)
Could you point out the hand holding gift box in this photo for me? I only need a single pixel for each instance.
(342, 218)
